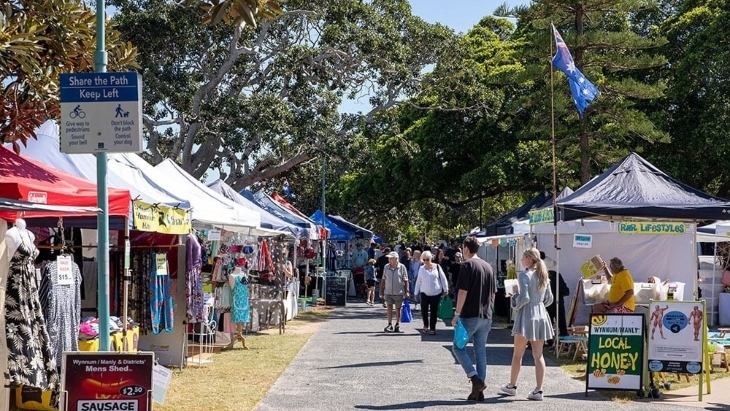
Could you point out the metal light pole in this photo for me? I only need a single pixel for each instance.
(102, 252)
(324, 217)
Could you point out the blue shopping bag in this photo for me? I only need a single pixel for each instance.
(461, 337)
(406, 315)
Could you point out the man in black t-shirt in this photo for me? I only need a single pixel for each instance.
(476, 287)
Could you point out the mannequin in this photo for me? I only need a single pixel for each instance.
(240, 309)
(20, 235)
(30, 352)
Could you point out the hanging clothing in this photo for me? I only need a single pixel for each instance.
(60, 295)
(193, 249)
(30, 358)
(161, 303)
(240, 306)
(139, 293)
(194, 293)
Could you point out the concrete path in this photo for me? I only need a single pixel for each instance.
(351, 364)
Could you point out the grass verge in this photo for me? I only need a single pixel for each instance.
(238, 379)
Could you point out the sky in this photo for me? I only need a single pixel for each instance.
(459, 15)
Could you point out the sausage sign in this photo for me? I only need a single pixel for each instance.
(106, 381)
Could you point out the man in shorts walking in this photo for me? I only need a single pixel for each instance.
(393, 289)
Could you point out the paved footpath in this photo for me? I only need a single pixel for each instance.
(351, 364)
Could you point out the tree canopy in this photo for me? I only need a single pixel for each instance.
(40, 39)
(255, 102)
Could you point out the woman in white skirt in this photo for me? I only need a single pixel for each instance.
(532, 323)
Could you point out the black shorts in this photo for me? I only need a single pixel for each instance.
(370, 283)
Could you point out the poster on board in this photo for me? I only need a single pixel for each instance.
(95, 381)
(615, 352)
(675, 336)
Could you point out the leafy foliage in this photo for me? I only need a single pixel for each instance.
(40, 39)
(253, 103)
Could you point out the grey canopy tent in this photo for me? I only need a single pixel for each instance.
(634, 188)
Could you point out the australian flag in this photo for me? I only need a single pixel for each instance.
(583, 91)
(286, 188)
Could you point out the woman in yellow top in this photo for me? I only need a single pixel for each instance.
(620, 297)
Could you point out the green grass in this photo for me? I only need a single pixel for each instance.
(238, 379)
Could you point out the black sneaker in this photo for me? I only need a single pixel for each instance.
(389, 328)
(397, 328)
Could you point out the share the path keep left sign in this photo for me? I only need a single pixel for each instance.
(101, 112)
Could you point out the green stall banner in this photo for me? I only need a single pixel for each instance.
(615, 352)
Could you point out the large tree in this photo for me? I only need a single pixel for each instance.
(40, 39)
(697, 108)
(615, 53)
(433, 159)
(254, 103)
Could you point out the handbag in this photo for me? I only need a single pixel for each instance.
(406, 315)
(726, 277)
(446, 308)
(461, 337)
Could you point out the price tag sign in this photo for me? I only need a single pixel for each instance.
(65, 270)
(127, 254)
(214, 235)
(161, 380)
(161, 264)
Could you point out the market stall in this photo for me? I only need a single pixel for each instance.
(643, 216)
(45, 333)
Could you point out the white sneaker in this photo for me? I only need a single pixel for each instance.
(535, 395)
(508, 390)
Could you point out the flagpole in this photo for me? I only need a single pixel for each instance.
(552, 144)
(556, 340)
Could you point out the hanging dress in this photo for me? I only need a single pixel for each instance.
(30, 358)
(60, 295)
(240, 307)
(196, 311)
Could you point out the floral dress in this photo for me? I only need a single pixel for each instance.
(30, 359)
(240, 307)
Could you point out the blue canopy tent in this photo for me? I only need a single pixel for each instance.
(337, 233)
(356, 229)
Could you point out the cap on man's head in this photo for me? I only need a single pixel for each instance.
(393, 255)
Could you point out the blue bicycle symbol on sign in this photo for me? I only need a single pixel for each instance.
(77, 112)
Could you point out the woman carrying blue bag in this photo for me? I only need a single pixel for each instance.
(431, 284)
